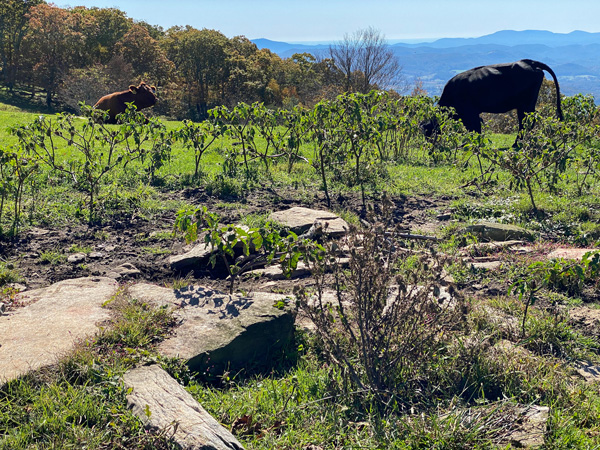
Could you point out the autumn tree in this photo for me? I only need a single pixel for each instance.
(54, 44)
(111, 25)
(365, 60)
(143, 52)
(13, 27)
(200, 58)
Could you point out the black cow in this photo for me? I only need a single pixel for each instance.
(494, 89)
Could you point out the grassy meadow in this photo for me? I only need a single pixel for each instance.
(458, 384)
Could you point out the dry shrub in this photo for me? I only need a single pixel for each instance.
(389, 321)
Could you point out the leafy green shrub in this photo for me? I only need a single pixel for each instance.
(258, 246)
(98, 148)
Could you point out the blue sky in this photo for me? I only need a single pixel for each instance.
(329, 20)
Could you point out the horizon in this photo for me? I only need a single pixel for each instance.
(318, 21)
(423, 40)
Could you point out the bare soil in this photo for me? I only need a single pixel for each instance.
(145, 244)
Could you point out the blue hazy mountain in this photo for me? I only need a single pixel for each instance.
(575, 57)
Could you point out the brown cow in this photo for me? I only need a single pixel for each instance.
(142, 96)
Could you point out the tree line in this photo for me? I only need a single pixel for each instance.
(64, 56)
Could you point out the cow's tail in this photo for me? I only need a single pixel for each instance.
(543, 66)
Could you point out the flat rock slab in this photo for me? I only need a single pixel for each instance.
(586, 318)
(487, 265)
(164, 405)
(531, 427)
(198, 253)
(276, 272)
(54, 319)
(219, 331)
(300, 219)
(491, 247)
(569, 253)
(499, 232)
(590, 372)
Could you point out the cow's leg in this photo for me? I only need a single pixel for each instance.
(530, 98)
(471, 121)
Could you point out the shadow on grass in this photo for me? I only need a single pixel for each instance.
(22, 99)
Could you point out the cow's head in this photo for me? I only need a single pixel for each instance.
(430, 128)
(145, 95)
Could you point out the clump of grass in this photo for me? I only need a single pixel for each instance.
(78, 248)
(52, 257)
(8, 273)
(156, 251)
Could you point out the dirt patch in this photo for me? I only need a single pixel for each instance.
(586, 319)
(41, 255)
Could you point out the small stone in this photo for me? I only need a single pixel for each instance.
(38, 232)
(126, 269)
(531, 427)
(589, 372)
(76, 258)
(96, 255)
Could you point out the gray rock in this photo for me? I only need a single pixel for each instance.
(487, 265)
(300, 219)
(491, 247)
(164, 405)
(499, 232)
(218, 331)
(126, 269)
(200, 252)
(76, 258)
(590, 372)
(531, 427)
(569, 253)
(276, 273)
(54, 319)
(302, 270)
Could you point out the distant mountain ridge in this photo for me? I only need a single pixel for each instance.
(575, 56)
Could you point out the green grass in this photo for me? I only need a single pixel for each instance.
(80, 402)
(303, 402)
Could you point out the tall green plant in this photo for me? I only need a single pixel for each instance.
(16, 167)
(542, 155)
(86, 151)
(255, 246)
(325, 118)
(199, 137)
